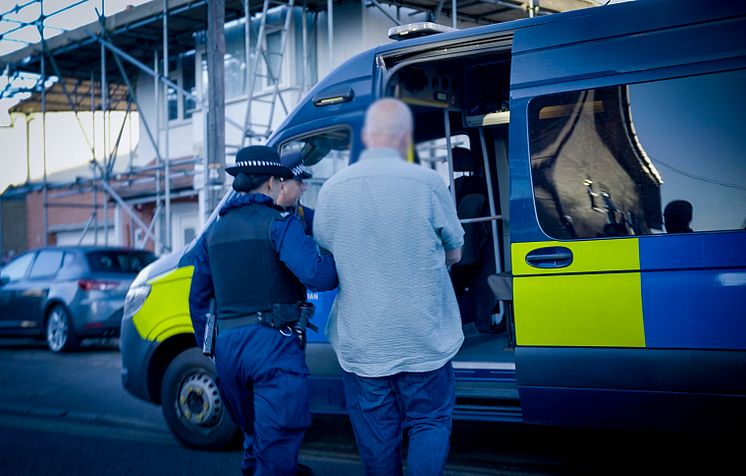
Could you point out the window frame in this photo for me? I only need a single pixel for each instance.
(315, 132)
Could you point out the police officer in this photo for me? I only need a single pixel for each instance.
(255, 261)
(291, 190)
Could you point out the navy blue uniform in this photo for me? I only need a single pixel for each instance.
(262, 374)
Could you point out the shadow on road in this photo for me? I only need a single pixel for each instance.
(31, 343)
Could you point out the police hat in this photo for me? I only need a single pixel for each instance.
(294, 161)
(259, 160)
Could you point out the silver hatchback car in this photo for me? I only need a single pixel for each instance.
(66, 294)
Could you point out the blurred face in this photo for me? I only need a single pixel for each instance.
(290, 192)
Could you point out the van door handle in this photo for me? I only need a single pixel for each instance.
(550, 257)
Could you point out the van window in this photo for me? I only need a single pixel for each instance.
(659, 157)
(324, 154)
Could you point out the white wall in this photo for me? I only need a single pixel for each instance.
(180, 133)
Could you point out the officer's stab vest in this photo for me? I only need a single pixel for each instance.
(247, 273)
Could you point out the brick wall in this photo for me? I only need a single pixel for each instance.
(68, 217)
(13, 226)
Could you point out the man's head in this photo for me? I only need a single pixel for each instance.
(291, 190)
(258, 169)
(388, 123)
(677, 216)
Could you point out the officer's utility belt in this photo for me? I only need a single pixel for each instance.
(289, 319)
(279, 317)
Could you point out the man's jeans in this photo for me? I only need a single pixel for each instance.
(419, 403)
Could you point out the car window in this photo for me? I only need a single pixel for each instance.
(16, 270)
(119, 261)
(72, 267)
(46, 264)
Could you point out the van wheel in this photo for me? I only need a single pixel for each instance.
(192, 405)
(60, 333)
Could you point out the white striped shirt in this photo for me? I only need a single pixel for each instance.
(388, 224)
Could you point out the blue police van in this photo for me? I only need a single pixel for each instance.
(598, 163)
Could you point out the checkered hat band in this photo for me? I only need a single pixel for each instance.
(257, 163)
(298, 169)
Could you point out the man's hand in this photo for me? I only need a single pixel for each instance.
(453, 256)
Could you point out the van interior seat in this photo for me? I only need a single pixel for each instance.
(471, 201)
(470, 182)
(469, 275)
(471, 206)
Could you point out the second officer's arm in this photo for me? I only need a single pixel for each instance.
(201, 290)
(314, 268)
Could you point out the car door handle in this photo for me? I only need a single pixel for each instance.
(550, 257)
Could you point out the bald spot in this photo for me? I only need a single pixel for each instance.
(388, 123)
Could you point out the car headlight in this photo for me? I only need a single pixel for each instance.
(135, 299)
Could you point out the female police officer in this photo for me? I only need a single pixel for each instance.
(255, 261)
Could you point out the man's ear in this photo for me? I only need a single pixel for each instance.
(365, 137)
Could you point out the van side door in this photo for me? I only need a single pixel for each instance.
(628, 210)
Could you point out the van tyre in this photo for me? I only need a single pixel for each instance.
(59, 331)
(192, 405)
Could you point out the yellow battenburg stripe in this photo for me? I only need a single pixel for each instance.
(594, 302)
(166, 310)
(588, 256)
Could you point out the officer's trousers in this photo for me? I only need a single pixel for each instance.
(263, 380)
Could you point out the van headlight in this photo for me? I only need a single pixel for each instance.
(135, 299)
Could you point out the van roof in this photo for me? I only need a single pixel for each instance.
(590, 23)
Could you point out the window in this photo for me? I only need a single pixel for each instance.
(182, 73)
(71, 267)
(173, 102)
(46, 265)
(324, 154)
(274, 57)
(238, 73)
(16, 270)
(189, 234)
(119, 261)
(664, 156)
(189, 84)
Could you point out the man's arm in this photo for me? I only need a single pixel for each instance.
(201, 290)
(446, 223)
(312, 266)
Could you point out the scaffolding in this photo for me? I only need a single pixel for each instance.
(91, 68)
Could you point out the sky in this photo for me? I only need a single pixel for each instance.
(66, 143)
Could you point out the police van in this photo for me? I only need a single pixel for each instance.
(598, 163)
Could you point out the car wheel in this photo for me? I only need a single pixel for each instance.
(192, 405)
(60, 333)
